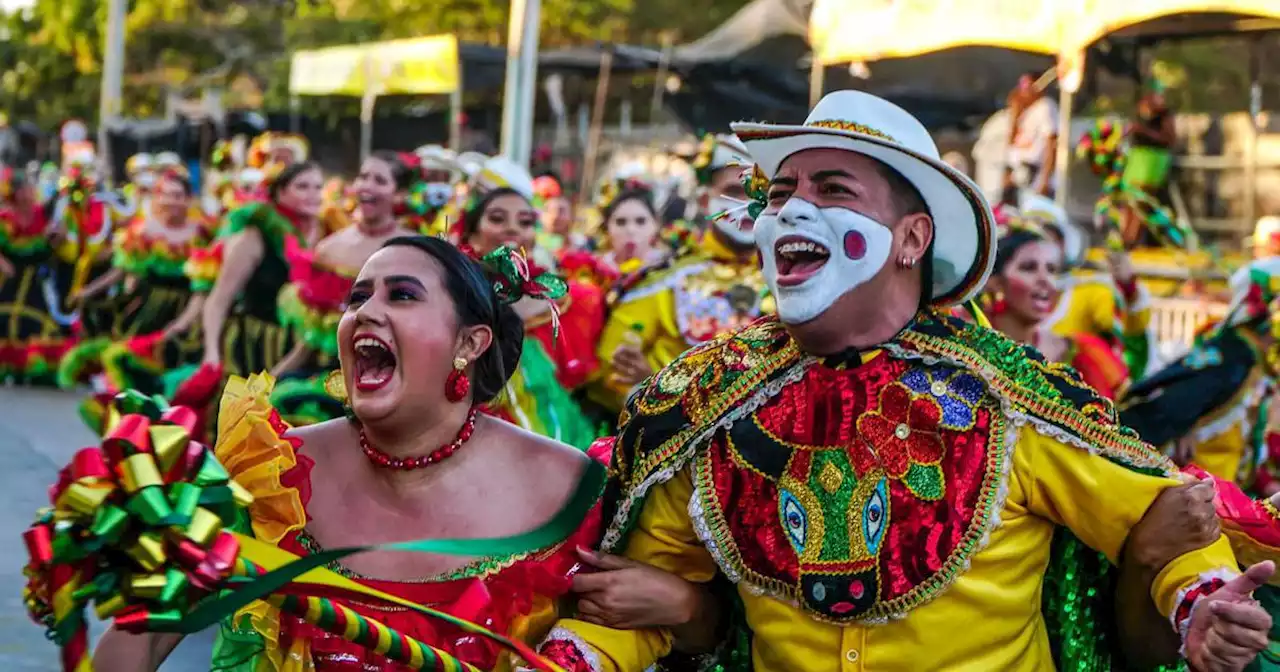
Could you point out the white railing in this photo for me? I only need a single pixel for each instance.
(1175, 321)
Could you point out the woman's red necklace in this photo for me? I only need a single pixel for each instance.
(381, 459)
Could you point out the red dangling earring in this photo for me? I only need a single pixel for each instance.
(998, 306)
(457, 385)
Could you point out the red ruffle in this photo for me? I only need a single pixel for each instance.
(581, 323)
(516, 587)
(23, 356)
(318, 287)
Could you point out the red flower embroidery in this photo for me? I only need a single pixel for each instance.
(903, 430)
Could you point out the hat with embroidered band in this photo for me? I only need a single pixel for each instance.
(1044, 210)
(500, 172)
(964, 228)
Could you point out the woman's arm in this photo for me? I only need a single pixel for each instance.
(241, 255)
(119, 651)
(292, 361)
(100, 284)
(187, 318)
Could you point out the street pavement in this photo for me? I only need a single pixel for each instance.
(39, 432)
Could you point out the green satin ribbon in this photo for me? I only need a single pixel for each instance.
(559, 527)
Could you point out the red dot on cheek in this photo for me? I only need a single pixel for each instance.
(855, 245)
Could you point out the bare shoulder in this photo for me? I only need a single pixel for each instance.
(322, 441)
(554, 467)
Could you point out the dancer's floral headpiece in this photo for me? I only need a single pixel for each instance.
(513, 277)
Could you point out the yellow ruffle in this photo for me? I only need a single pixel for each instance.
(256, 455)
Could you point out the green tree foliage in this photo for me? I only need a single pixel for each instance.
(51, 55)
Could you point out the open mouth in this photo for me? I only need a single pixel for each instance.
(798, 259)
(375, 363)
(1042, 300)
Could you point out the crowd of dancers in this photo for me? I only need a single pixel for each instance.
(854, 417)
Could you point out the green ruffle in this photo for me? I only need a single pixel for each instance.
(319, 330)
(27, 246)
(150, 263)
(275, 227)
(556, 410)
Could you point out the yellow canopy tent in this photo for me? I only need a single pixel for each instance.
(851, 31)
(418, 66)
(844, 31)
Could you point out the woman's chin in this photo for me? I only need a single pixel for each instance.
(372, 402)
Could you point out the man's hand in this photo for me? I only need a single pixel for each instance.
(1180, 520)
(1121, 267)
(626, 594)
(630, 366)
(1228, 628)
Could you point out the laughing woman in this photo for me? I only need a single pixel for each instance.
(410, 446)
(560, 339)
(1024, 291)
(311, 305)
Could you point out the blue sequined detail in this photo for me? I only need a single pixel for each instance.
(794, 519)
(960, 392)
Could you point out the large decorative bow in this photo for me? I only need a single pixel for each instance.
(136, 528)
(138, 531)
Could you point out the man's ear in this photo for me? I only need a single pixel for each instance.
(917, 233)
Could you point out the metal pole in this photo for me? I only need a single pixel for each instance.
(1251, 142)
(528, 78)
(660, 84)
(511, 113)
(597, 125)
(112, 81)
(817, 71)
(295, 109)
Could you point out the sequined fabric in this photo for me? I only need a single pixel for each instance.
(853, 494)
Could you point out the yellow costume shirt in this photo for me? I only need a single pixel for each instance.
(679, 305)
(895, 512)
(1092, 304)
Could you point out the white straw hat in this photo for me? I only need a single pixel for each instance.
(964, 229)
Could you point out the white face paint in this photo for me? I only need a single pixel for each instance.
(858, 248)
(438, 193)
(731, 225)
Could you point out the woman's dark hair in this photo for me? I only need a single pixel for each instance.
(471, 215)
(475, 303)
(1009, 246)
(401, 174)
(287, 176)
(644, 196)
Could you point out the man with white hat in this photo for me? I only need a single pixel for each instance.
(712, 287)
(889, 488)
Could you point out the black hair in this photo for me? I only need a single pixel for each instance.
(471, 215)
(906, 200)
(287, 176)
(181, 179)
(644, 196)
(475, 303)
(401, 174)
(1009, 246)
